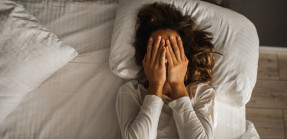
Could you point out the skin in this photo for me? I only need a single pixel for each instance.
(165, 64)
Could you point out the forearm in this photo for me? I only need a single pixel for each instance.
(136, 120)
(146, 122)
(189, 124)
(195, 120)
(178, 91)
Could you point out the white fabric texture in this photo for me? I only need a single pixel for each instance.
(234, 36)
(29, 54)
(77, 101)
(251, 131)
(144, 116)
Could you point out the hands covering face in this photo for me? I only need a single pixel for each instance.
(154, 61)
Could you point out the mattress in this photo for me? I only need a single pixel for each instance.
(78, 101)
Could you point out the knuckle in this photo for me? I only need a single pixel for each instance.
(172, 40)
(148, 63)
(155, 66)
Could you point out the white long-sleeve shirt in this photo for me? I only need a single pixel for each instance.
(142, 116)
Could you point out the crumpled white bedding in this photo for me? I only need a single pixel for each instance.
(78, 100)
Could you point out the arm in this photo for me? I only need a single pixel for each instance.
(191, 122)
(138, 122)
(194, 121)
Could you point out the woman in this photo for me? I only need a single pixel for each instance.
(171, 97)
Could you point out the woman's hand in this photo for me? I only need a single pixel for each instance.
(177, 61)
(177, 67)
(154, 66)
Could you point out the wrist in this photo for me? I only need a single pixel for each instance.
(155, 89)
(178, 91)
(155, 85)
(177, 85)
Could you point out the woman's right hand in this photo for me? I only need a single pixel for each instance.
(154, 66)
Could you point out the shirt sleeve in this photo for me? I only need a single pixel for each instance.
(196, 121)
(138, 121)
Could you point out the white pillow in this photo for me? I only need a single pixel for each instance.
(234, 36)
(29, 54)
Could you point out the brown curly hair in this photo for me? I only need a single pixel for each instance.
(197, 43)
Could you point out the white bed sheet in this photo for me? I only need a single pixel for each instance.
(78, 101)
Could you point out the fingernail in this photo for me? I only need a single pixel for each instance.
(179, 38)
(159, 37)
(150, 39)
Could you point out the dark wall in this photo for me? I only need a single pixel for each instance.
(269, 17)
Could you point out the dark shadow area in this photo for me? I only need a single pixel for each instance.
(269, 17)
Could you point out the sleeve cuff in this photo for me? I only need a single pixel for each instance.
(153, 99)
(181, 103)
(152, 105)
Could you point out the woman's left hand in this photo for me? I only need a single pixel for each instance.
(177, 61)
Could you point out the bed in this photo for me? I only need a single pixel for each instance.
(78, 100)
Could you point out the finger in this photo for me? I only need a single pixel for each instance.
(162, 50)
(162, 63)
(149, 48)
(175, 47)
(155, 49)
(169, 58)
(158, 56)
(173, 58)
(181, 49)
